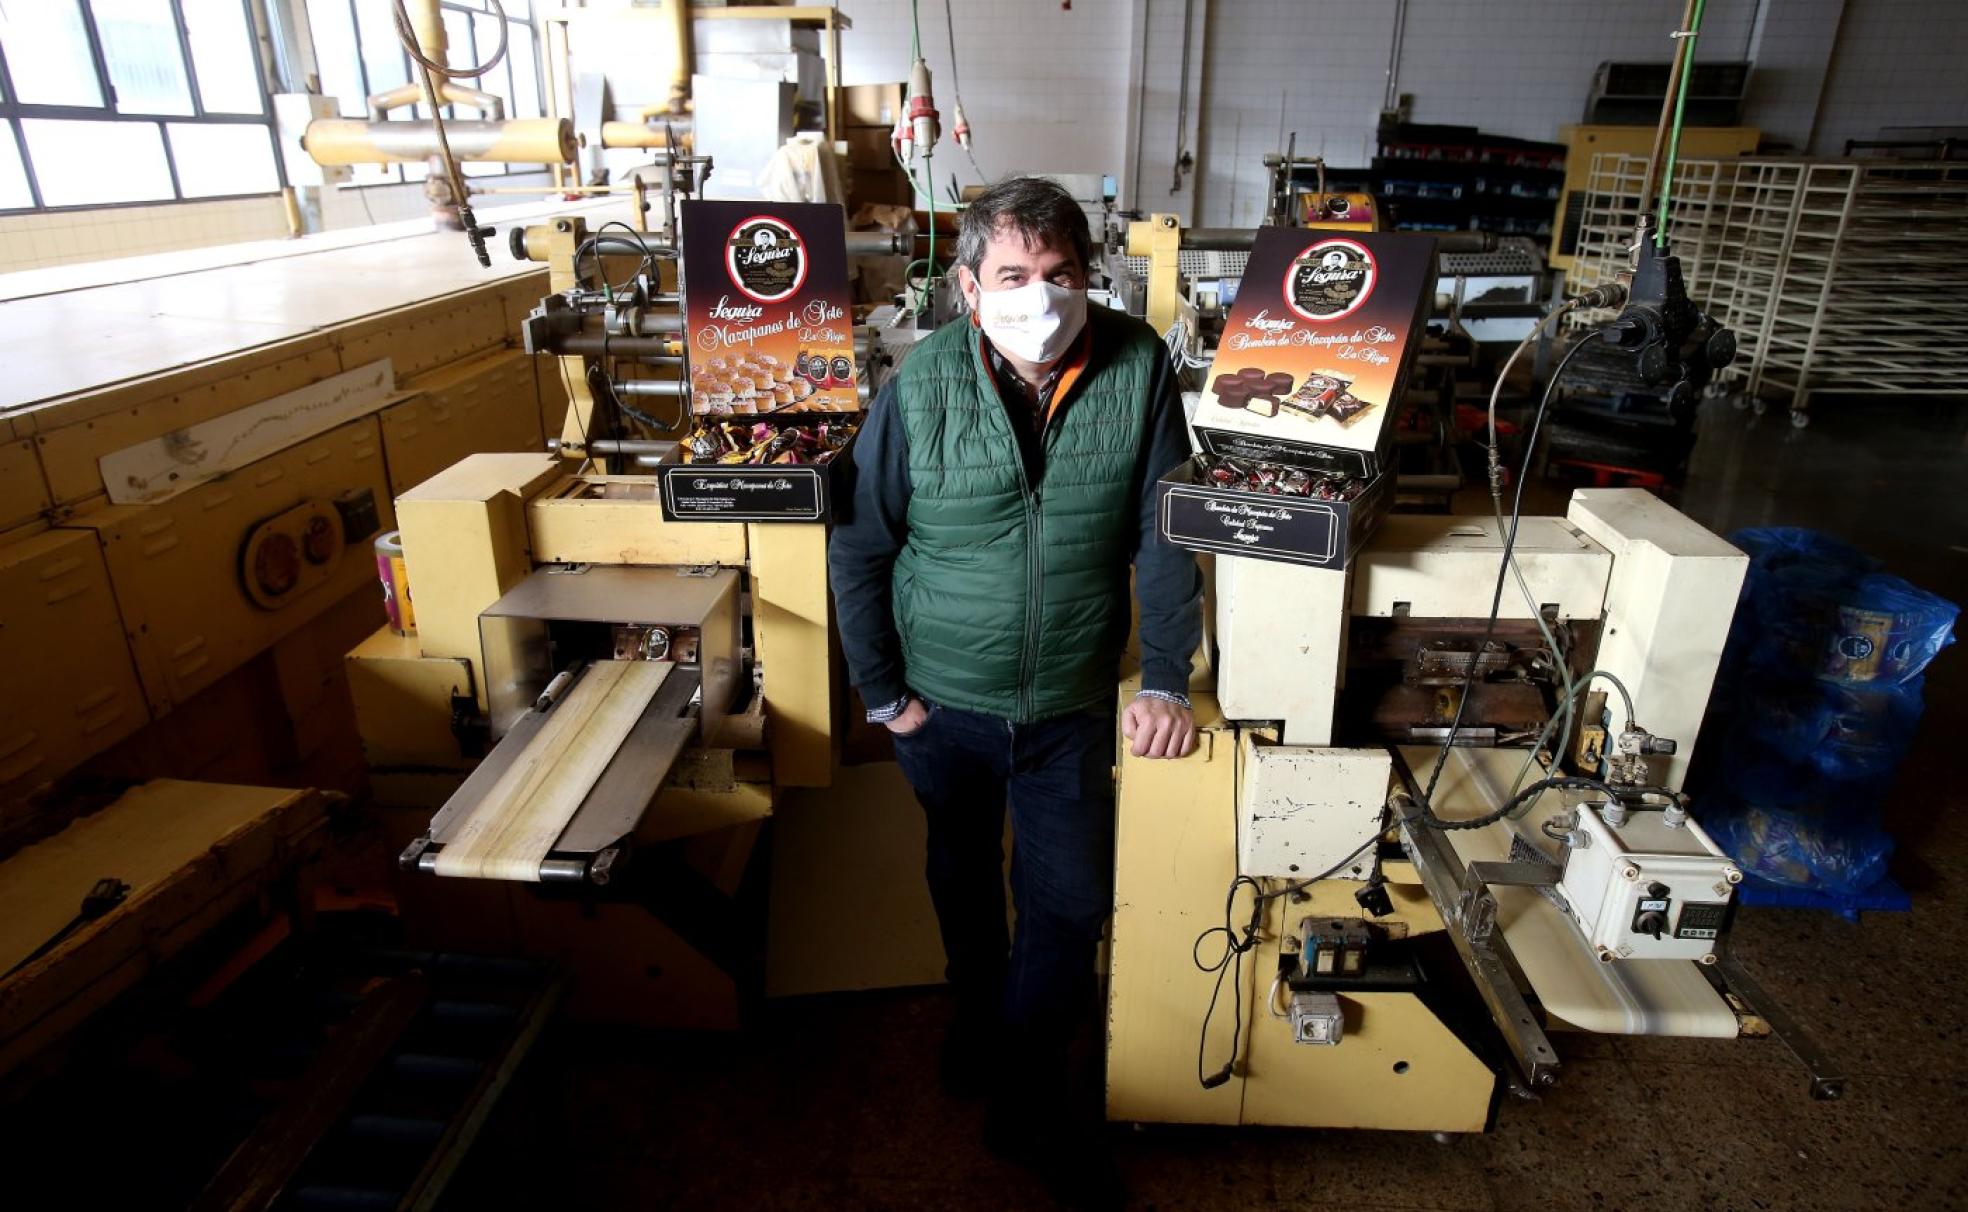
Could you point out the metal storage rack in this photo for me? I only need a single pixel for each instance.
(1836, 275)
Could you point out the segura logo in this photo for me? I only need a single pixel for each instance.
(765, 258)
(1330, 279)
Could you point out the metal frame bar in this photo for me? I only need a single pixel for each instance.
(1469, 914)
(1730, 978)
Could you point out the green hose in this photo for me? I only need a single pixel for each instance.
(1674, 133)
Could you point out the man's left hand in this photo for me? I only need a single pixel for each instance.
(1159, 728)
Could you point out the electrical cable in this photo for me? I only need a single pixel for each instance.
(1496, 597)
(950, 28)
(406, 32)
(1566, 714)
(956, 85)
(1235, 946)
(593, 244)
(1674, 132)
(567, 382)
(428, 74)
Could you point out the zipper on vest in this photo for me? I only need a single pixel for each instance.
(1035, 557)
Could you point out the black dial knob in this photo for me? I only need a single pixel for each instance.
(1652, 922)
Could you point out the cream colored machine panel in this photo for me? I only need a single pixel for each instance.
(1669, 605)
(1281, 644)
(464, 544)
(1304, 810)
(597, 519)
(182, 567)
(486, 404)
(1445, 568)
(23, 489)
(73, 689)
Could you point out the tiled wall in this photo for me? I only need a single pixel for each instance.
(1045, 83)
(1897, 63)
(1058, 77)
(37, 241)
(1320, 69)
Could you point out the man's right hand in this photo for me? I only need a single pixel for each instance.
(913, 717)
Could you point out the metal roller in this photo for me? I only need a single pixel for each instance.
(340, 141)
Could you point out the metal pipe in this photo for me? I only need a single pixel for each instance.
(593, 344)
(1680, 64)
(679, 14)
(1239, 239)
(668, 389)
(552, 870)
(618, 446)
(876, 244)
(636, 134)
(342, 141)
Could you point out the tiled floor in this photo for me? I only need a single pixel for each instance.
(837, 1106)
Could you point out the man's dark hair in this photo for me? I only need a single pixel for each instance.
(1037, 209)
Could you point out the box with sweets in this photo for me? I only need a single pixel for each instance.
(769, 344)
(1295, 424)
(1310, 367)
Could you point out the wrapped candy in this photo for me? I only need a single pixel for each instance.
(1273, 479)
(762, 443)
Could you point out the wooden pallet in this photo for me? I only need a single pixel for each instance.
(192, 853)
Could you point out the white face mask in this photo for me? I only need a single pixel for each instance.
(1035, 322)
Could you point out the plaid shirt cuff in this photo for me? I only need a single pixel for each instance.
(1167, 696)
(888, 711)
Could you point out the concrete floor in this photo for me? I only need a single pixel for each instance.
(836, 1105)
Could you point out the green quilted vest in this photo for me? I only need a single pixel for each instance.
(1012, 598)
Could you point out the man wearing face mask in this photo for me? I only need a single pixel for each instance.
(1004, 489)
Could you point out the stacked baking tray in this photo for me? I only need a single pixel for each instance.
(1838, 275)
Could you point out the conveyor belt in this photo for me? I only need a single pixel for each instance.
(565, 785)
(1632, 997)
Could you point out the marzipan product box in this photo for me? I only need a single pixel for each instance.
(1316, 349)
(769, 344)
(766, 309)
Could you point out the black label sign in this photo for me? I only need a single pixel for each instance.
(766, 259)
(1226, 444)
(745, 494)
(1333, 278)
(1242, 523)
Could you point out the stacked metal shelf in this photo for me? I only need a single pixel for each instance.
(1836, 275)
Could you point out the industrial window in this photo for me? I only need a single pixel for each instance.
(107, 102)
(357, 52)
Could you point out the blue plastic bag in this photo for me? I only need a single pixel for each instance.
(1821, 689)
(1803, 851)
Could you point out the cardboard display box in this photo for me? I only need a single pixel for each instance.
(1295, 530)
(770, 340)
(1308, 375)
(1316, 349)
(718, 492)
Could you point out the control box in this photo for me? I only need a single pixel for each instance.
(1646, 888)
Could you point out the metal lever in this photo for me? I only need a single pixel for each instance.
(1730, 978)
(1469, 912)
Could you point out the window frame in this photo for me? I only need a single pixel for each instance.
(13, 111)
(395, 173)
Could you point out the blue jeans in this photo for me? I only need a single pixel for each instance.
(1057, 776)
